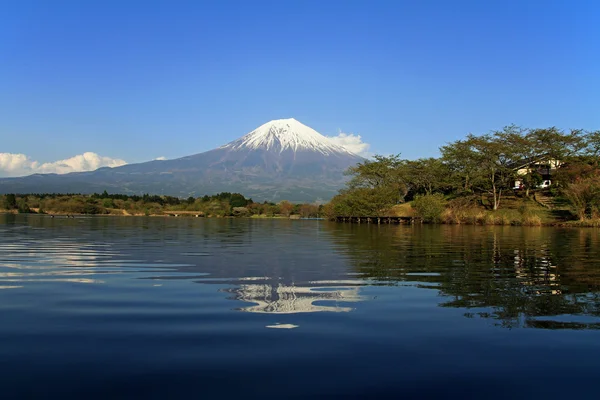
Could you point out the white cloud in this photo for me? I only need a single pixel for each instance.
(13, 162)
(351, 142)
(19, 164)
(161, 158)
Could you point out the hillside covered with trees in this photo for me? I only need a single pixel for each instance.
(477, 176)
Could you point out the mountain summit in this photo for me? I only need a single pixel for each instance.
(282, 159)
(286, 134)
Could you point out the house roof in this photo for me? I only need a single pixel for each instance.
(524, 162)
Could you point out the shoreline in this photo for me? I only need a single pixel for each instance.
(166, 215)
(561, 224)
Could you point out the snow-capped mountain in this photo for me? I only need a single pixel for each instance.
(286, 134)
(282, 159)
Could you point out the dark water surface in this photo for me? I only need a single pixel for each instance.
(194, 308)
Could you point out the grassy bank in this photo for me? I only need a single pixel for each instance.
(523, 211)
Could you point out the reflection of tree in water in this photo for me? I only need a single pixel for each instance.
(528, 277)
(289, 299)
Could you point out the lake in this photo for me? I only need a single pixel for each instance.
(115, 307)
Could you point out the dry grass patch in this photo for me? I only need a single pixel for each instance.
(531, 220)
(402, 210)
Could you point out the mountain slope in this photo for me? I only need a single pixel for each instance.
(282, 159)
(286, 134)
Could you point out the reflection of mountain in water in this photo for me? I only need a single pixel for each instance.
(284, 299)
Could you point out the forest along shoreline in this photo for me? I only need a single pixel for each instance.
(514, 176)
(217, 206)
(518, 209)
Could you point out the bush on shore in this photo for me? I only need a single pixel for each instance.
(430, 206)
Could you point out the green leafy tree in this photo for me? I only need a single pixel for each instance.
(22, 206)
(557, 144)
(376, 185)
(108, 203)
(426, 175)
(10, 201)
(462, 166)
(592, 145)
(238, 200)
(485, 163)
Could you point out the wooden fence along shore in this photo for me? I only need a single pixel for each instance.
(381, 220)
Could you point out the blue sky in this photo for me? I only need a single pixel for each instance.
(136, 80)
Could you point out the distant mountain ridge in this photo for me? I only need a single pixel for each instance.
(282, 159)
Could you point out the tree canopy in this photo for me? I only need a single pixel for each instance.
(486, 165)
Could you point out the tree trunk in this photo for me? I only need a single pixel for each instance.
(497, 205)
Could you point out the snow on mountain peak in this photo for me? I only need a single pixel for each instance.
(286, 134)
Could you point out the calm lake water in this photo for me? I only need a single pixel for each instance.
(195, 308)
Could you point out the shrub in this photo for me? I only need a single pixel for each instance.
(523, 209)
(529, 217)
(240, 212)
(430, 207)
(461, 210)
(10, 201)
(584, 196)
(108, 203)
(491, 219)
(531, 220)
(23, 207)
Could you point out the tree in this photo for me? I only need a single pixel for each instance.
(525, 154)
(556, 144)
(308, 210)
(382, 172)
(255, 208)
(108, 203)
(461, 165)
(584, 195)
(426, 175)
(376, 185)
(218, 208)
(485, 163)
(285, 208)
(10, 201)
(238, 200)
